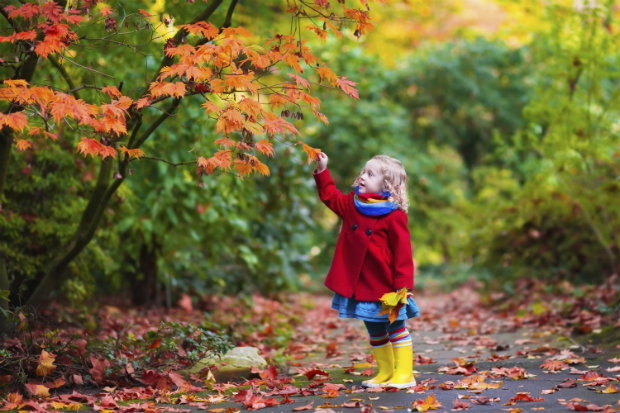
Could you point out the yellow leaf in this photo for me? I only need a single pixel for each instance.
(430, 403)
(392, 302)
(46, 364)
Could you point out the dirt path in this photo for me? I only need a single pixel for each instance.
(506, 357)
(467, 355)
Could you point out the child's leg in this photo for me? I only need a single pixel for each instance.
(403, 355)
(382, 349)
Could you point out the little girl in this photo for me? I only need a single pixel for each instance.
(373, 257)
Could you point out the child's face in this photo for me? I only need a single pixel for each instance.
(371, 179)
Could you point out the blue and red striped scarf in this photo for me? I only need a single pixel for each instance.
(373, 204)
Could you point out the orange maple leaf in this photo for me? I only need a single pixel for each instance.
(132, 153)
(258, 166)
(347, 86)
(554, 365)
(206, 30)
(211, 107)
(326, 72)
(88, 146)
(112, 91)
(230, 120)
(322, 34)
(259, 61)
(29, 35)
(105, 11)
(15, 120)
(310, 151)
(236, 31)
(66, 105)
(49, 45)
(23, 144)
(300, 81)
(181, 50)
(106, 151)
(277, 99)
(243, 167)
(314, 102)
(205, 165)
(251, 107)
(265, 147)
(14, 401)
(167, 89)
(293, 61)
(27, 11)
(273, 124)
(225, 142)
(223, 159)
(143, 102)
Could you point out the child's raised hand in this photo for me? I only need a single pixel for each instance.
(321, 162)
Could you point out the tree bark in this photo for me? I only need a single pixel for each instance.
(145, 290)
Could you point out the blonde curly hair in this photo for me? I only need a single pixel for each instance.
(394, 179)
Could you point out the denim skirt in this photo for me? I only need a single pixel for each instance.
(369, 310)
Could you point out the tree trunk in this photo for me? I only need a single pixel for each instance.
(145, 289)
(54, 274)
(5, 151)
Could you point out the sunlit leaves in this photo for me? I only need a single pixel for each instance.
(23, 144)
(16, 120)
(27, 11)
(136, 153)
(92, 147)
(158, 89)
(204, 29)
(326, 73)
(347, 86)
(225, 71)
(231, 120)
(265, 147)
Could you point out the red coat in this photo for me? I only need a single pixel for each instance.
(373, 253)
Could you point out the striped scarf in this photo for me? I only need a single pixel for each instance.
(373, 204)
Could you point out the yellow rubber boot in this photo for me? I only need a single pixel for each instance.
(403, 373)
(385, 362)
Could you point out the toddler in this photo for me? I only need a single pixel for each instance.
(373, 257)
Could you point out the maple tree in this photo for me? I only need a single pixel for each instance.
(243, 81)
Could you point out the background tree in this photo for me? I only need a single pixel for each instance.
(241, 79)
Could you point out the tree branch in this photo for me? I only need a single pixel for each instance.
(152, 158)
(169, 111)
(88, 68)
(231, 10)
(65, 76)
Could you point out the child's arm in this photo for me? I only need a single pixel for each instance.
(400, 242)
(329, 194)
